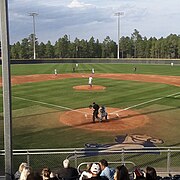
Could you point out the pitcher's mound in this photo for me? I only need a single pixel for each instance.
(118, 119)
(88, 88)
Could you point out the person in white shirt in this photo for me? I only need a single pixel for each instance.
(90, 81)
(55, 71)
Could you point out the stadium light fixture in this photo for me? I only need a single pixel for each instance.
(118, 14)
(33, 14)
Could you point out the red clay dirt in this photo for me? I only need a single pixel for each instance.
(118, 120)
(88, 88)
(173, 80)
(82, 118)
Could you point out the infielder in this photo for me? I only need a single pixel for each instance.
(55, 71)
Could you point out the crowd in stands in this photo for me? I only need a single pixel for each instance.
(95, 171)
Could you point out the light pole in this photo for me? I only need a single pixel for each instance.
(34, 32)
(118, 14)
(6, 79)
(135, 52)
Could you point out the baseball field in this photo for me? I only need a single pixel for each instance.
(51, 111)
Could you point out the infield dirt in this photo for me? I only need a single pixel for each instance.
(117, 119)
(173, 80)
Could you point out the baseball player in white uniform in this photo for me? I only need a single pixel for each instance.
(55, 71)
(90, 81)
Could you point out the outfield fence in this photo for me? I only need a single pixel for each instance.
(164, 159)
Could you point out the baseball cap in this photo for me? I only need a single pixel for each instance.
(95, 168)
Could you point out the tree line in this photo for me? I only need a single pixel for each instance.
(135, 46)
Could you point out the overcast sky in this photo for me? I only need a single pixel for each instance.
(87, 18)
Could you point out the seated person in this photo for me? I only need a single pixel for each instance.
(94, 173)
(18, 173)
(139, 174)
(121, 173)
(105, 170)
(67, 172)
(151, 173)
(86, 174)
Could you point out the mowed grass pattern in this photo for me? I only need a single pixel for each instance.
(99, 68)
(36, 117)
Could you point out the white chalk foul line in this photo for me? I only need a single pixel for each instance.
(49, 104)
(115, 112)
(146, 102)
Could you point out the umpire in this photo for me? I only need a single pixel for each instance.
(95, 111)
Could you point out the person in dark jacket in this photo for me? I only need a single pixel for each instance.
(151, 173)
(95, 111)
(121, 173)
(67, 172)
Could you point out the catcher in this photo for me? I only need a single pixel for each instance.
(103, 112)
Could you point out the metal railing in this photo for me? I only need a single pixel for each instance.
(164, 159)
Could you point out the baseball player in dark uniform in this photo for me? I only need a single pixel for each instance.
(95, 111)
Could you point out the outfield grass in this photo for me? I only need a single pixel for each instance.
(99, 68)
(36, 125)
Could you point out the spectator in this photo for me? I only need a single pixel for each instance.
(121, 173)
(47, 174)
(18, 173)
(67, 172)
(93, 174)
(25, 172)
(151, 173)
(88, 167)
(138, 174)
(87, 173)
(95, 171)
(34, 176)
(105, 170)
